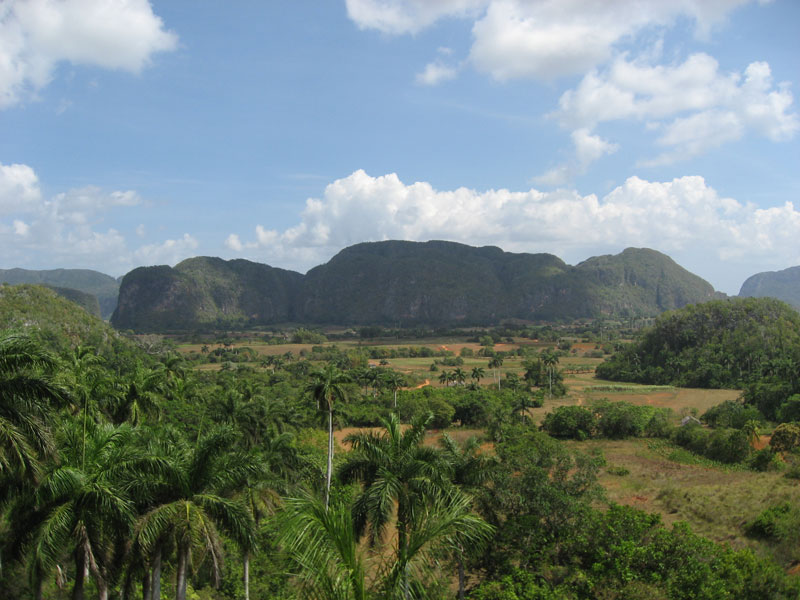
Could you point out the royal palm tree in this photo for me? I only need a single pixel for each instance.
(394, 381)
(82, 505)
(477, 374)
(459, 376)
(550, 360)
(407, 483)
(327, 389)
(444, 377)
(496, 363)
(27, 392)
(197, 500)
(321, 541)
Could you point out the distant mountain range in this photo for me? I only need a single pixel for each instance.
(783, 285)
(404, 283)
(70, 283)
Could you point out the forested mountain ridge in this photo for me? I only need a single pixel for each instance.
(205, 291)
(57, 322)
(103, 286)
(405, 282)
(783, 285)
(750, 343)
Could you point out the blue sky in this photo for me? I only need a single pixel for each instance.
(136, 133)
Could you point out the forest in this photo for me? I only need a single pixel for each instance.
(130, 469)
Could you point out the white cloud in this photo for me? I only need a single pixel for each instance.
(587, 149)
(541, 39)
(693, 105)
(68, 230)
(168, 252)
(19, 188)
(435, 73)
(686, 218)
(36, 35)
(408, 16)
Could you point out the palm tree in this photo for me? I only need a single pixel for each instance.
(459, 376)
(141, 390)
(470, 470)
(394, 381)
(496, 363)
(327, 388)
(82, 506)
(444, 377)
(26, 393)
(477, 374)
(321, 540)
(197, 500)
(406, 482)
(750, 429)
(550, 360)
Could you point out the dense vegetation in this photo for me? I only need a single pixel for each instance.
(408, 283)
(738, 343)
(103, 287)
(126, 473)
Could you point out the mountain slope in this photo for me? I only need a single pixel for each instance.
(205, 292)
(104, 287)
(783, 285)
(397, 282)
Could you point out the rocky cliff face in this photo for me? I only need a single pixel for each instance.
(405, 283)
(783, 285)
(205, 292)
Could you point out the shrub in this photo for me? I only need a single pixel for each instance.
(731, 414)
(790, 410)
(765, 460)
(785, 437)
(728, 446)
(619, 420)
(574, 422)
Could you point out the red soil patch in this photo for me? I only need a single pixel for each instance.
(762, 442)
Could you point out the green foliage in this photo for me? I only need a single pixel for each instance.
(573, 422)
(786, 437)
(790, 410)
(719, 344)
(731, 414)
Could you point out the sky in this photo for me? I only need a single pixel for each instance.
(137, 133)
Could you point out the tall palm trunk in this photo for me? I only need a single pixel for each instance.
(246, 576)
(155, 582)
(180, 575)
(147, 580)
(329, 473)
(80, 573)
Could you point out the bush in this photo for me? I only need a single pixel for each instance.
(620, 420)
(765, 460)
(785, 437)
(575, 422)
(790, 410)
(731, 414)
(728, 446)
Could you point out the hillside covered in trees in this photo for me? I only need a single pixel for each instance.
(73, 284)
(405, 283)
(751, 344)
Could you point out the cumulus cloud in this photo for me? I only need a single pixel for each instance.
(435, 73)
(19, 188)
(692, 105)
(68, 229)
(408, 16)
(685, 218)
(167, 252)
(36, 35)
(542, 39)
